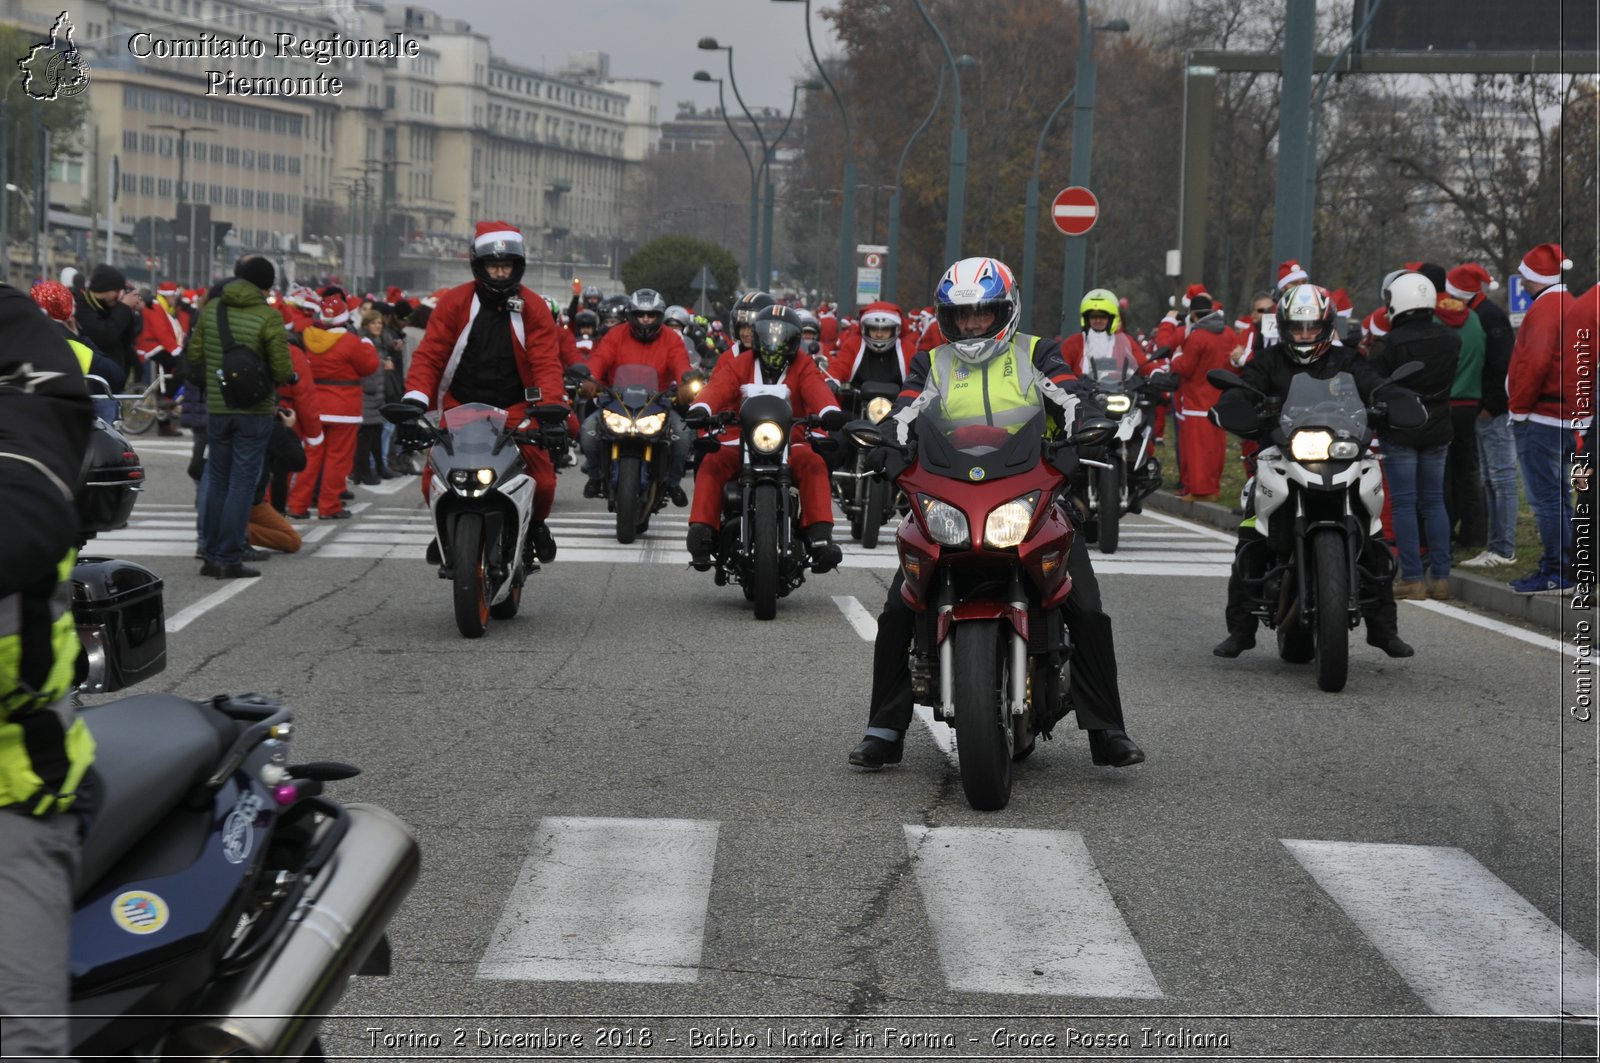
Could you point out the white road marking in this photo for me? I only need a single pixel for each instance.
(1509, 630)
(865, 623)
(389, 487)
(189, 614)
(1025, 912)
(607, 900)
(1463, 940)
(1190, 526)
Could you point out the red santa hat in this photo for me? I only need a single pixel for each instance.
(1543, 265)
(334, 311)
(1468, 281)
(497, 237)
(1341, 302)
(1291, 272)
(393, 294)
(1377, 322)
(168, 288)
(1193, 290)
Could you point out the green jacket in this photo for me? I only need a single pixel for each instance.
(253, 324)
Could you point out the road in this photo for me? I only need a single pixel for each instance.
(638, 822)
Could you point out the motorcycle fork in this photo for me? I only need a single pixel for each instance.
(946, 709)
(1019, 650)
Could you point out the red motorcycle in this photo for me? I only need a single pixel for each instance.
(985, 562)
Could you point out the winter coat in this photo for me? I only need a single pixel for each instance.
(340, 362)
(1436, 345)
(534, 343)
(252, 323)
(736, 371)
(1208, 345)
(665, 353)
(110, 329)
(1498, 339)
(1544, 380)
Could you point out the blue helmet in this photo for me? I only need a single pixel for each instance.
(978, 284)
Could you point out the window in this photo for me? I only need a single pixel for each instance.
(183, 106)
(278, 203)
(294, 125)
(294, 164)
(248, 159)
(216, 153)
(147, 186)
(249, 195)
(147, 143)
(164, 187)
(279, 163)
(249, 119)
(233, 156)
(280, 123)
(130, 140)
(147, 100)
(233, 112)
(216, 194)
(129, 182)
(166, 103)
(165, 147)
(130, 98)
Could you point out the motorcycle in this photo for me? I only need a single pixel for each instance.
(761, 545)
(223, 902)
(482, 499)
(984, 556)
(1128, 472)
(1317, 500)
(634, 425)
(865, 497)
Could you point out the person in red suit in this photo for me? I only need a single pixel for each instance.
(488, 340)
(880, 352)
(772, 364)
(161, 341)
(339, 359)
(644, 342)
(1202, 447)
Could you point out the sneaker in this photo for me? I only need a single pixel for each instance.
(874, 752)
(591, 489)
(544, 544)
(208, 569)
(1486, 559)
(676, 493)
(702, 538)
(1439, 589)
(1410, 590)
(1539, 583)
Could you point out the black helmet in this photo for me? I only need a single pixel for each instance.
(777, 330)
(501, 246)
(646, 311)
(749, 305)
(591, 297)
(110, 482)
(586, 318)
(612, 310)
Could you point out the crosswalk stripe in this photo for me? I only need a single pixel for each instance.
(607, 900)
(1463, 940)
(1024, 912)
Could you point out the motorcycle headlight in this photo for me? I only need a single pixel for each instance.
(650, 424)
(617, 422)
(461, 477)
(878, 409)
(695, 386)
(1344, 450)
(946, 523)
(1007, 525)
(485, 476)
(1310, 445)
(766, 437)
(1118, 404)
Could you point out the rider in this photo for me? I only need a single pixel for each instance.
(487, 341)
(585, 324)
(771, 364)
(678, 320)
(877, 354)
(1102, 341)
(646, 343)
(1306, 319)
(613, 310)
(975, 375)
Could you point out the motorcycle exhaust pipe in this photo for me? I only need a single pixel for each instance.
(261, 1012)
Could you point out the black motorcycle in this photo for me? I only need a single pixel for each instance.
(634, 429)
(865, 496)
(1118, 477)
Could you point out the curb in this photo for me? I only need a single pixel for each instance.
(1545, 611)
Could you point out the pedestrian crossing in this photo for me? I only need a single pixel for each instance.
(1019, 911)
(1152, 544)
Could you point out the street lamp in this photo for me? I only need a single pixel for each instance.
(766, 163)
(709, 44)
(1030, 223)
(845, 297)
(750, 261)
(1082, 143)
(891, 271)
(183, 157)
(958, 148)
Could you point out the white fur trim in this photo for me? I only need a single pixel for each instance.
(341, 418)
(501, 234)
(1291, 277)
(1457, 292)
(419, 396)
(317, 442)
(1541, 278)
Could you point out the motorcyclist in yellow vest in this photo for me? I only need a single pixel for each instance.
(45, 417)
(989, 373)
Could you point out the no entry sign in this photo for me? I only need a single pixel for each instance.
(1075, 210)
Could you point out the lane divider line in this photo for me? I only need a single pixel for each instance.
(190, 613)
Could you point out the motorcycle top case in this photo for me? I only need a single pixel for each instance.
(123, 599)
(110, 481)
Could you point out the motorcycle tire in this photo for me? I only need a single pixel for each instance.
(983, 722)
(1333, 596)
(627, 498)
(471, 576)
(764, 551)
(1110, 490)
(876, 508)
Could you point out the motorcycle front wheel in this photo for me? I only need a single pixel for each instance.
(764, 550)
(983, 721)
(627, 499)
(1332, 581)
(471, 576)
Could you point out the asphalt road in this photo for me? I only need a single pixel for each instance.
(638, 823)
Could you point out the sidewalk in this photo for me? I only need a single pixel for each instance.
(1544, 610)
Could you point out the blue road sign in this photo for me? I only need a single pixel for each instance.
(1518, 295)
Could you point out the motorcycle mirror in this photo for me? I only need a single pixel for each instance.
(1163, 381)
(533, 395)
(324, 771)
(1409, 369)
(1235, 413)
(864, 433)
(1223, 379)
(578, 371)
(399, 412)
(1092, 432)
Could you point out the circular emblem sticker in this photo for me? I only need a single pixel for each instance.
(139, 912)
(976, 473)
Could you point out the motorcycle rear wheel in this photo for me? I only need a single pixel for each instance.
(1332, 602)
(764, 548)
(983, 721)
(627, 498)
(1110, 489)
(471, 577)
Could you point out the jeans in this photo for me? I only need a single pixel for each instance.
(679, 440)
(1545, 453)
(1416, 481)
(1497, 458)
(237, 451)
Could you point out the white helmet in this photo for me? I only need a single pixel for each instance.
(1409, 293)
(978, 284)
(677, 315)
(880, 319)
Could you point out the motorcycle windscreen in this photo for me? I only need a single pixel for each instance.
(1108, 358)
(981, 451)
(474, 428)
(635, 383)
(1333, 404)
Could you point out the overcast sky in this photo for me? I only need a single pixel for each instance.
(656, 39)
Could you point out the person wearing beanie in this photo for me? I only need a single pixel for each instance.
(1542, 396)
(1497, 451)
(236, 437)
(105, 322)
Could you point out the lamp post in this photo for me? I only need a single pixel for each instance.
(766, 164)
(1030, 222)
(709, 44)
(958, 148)
(845, 297)
(183, 157)
(1082, 144)
(891, 272)
(750, 261)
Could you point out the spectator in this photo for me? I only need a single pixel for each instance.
(107, 323)
(369, 465)
(1497, 452)
(1463, 481)
(1202, 447)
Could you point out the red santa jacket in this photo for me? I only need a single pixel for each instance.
(807, 388)
(570, 354)
(538, 349)
(301, 397)
(1203, 350)
(931, 338)
(1542, 384)
(665, 353)
(827, 329)
(845, 361)
(1170, 333)
(1072, 353)
(1583, 326)
(339, 359)
(162, 331)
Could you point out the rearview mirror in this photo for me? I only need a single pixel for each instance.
(864, 433)
(578, 371)
(1409, 369)
(1092, 432)
(1223, 379)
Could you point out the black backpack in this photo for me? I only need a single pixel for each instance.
(244, 378)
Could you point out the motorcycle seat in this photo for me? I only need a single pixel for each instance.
(151, 751)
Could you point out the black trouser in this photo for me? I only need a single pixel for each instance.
(1463, 483)
(1382, 616)
(369, 451)
(1094, 657)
